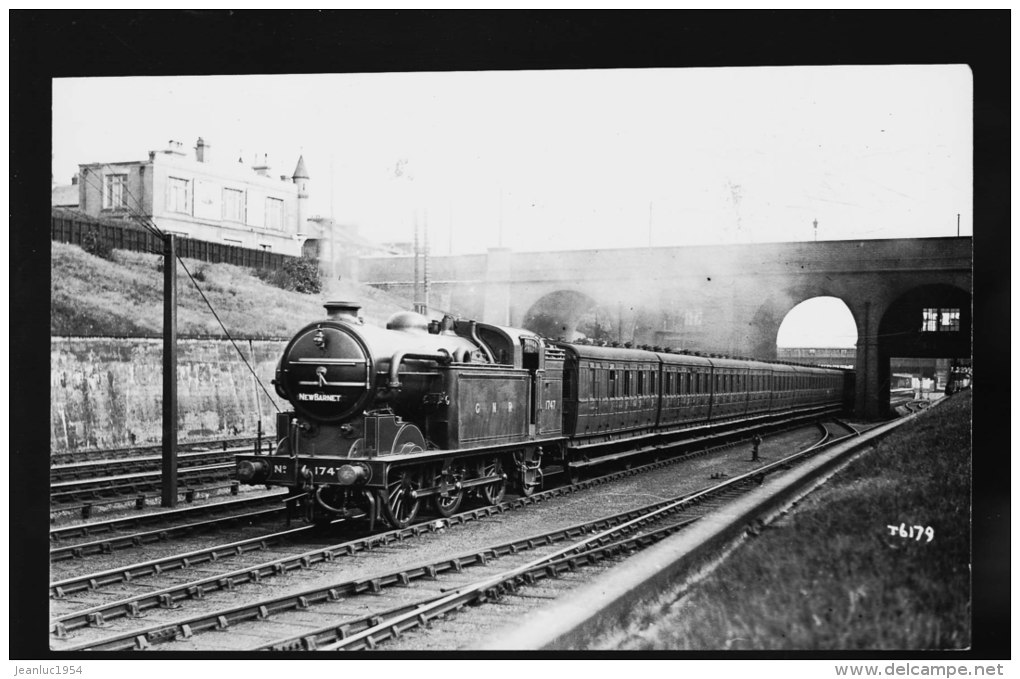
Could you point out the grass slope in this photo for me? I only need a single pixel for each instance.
(830, 576)
(91, 296)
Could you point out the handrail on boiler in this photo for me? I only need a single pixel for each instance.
(441, 356)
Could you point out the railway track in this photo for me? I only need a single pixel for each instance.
(219, 552)
(64, 534)
(81, 482)
(64, 473)
(74, 542)
(125, 486)
(90, 456)
(126, 612)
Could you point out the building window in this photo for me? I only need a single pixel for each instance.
(692, 317)
(177, 197)
(115, 193)
(940, 320)
(274, 214)
(233, 205)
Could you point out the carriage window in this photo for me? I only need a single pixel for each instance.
(641, 382)
(594, 381)
(651, 382)
(626, 381)
(612, 384)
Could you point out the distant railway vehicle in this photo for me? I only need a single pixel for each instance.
(960, 377)
(901, 382)
(386, 420)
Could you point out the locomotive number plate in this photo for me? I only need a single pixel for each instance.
(281, 470)
(325, 473)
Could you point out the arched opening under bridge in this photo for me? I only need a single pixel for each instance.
(568, 315)
(819, 331)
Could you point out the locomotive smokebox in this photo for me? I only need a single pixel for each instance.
(343, 311)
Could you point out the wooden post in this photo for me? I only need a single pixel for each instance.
(169, 478)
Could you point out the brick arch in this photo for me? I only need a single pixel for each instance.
(560, 314)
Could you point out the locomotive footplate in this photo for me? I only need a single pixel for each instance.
(360, 472)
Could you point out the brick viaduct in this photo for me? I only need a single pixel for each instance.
(727, 299)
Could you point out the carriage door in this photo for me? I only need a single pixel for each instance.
(532, 362)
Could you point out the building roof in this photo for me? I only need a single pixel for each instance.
(64, 196)
(300, 172)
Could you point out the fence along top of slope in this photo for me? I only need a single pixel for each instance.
(67, 226)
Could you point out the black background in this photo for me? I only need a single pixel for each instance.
(45, 45)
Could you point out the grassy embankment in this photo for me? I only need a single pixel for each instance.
(91, 296)
(831, 576)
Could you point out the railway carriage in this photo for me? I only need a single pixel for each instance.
(386, 420)
(686, 397)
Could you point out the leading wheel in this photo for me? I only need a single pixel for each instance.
(399, 504)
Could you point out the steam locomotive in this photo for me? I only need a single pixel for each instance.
(387, 420)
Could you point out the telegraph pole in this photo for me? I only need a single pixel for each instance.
(816, 229)
(169, 477)
(425, 262)
(417, 269)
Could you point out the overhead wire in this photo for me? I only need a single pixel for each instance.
(136, 216)
(226, 332)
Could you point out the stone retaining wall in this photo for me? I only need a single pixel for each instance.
(108, 393)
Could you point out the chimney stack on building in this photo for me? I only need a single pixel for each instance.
(262, 169)
(201, 149)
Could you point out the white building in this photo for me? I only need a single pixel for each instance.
(194, 197)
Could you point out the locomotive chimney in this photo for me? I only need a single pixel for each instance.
(343, 311)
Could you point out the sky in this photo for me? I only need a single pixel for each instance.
(571, 159)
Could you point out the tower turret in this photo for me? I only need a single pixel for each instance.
(301, 178)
